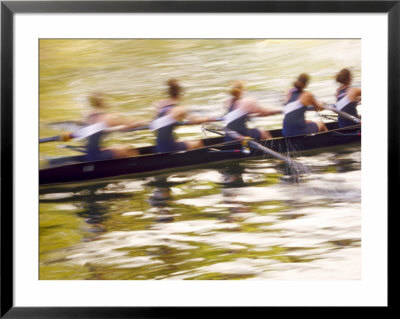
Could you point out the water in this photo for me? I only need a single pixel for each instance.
(245, 220)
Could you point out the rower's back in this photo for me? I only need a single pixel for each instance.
(347, 97)
(94, 141)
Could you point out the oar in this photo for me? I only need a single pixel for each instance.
(250, 142)
(97, 127)
(73, 147)
(78, 135)
(341, 113)
(67, 125)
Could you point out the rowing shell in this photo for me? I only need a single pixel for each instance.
(72, 169)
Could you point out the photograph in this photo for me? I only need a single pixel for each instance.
(200, 159)
(171, 158)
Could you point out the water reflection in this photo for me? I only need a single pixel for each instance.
(232, 176)
(91, 204)
(94, 212)
(231, 183)
(160, 198)
(236, 221)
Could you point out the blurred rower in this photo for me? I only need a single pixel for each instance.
(112, 123)
(240, 109)
(347, 97)
(297, 102)
(169, 113)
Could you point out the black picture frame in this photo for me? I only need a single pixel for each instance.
(9, 8)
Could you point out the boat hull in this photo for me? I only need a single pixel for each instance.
(215, 151)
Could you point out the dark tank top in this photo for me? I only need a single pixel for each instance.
(350, 108)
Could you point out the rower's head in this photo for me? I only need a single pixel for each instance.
(174, 89)
(96, 100)
(236, 89)
(302, 81)
(344, 77)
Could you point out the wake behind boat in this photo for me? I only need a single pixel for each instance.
(73, 169)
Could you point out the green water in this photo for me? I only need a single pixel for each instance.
(192, 225)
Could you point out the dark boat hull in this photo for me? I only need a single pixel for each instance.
(216, 151)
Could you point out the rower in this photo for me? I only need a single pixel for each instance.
(347, 97)
(111, 123)
(297, 103)
(169, 113)
(240, 109)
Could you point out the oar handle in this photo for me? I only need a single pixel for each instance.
(49, 139)
(62, 137)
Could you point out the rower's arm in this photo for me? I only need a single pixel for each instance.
(135, 123)
(354, 94)
(268, 112)
(307, 98)
(253, 108)
(123, 123)
(178, 113)
(200, 120)
(318, 105)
